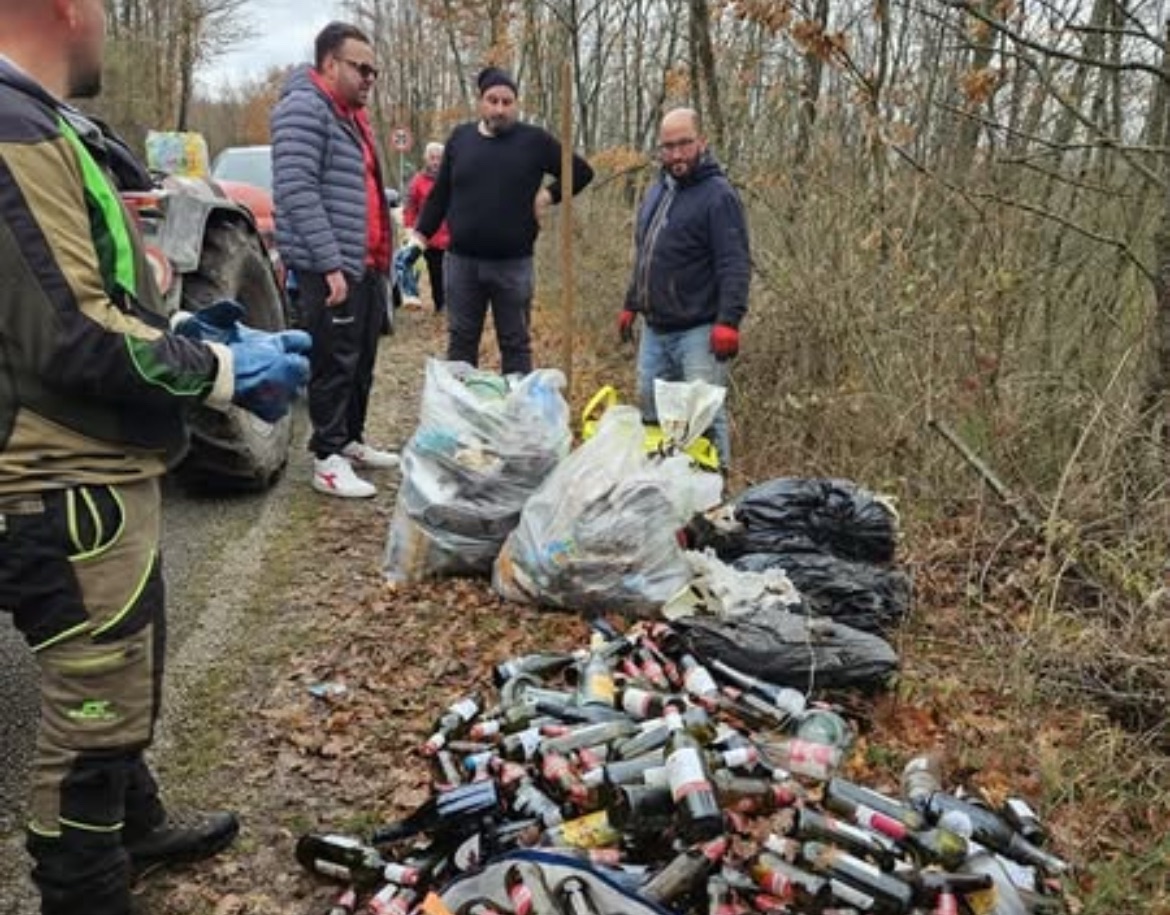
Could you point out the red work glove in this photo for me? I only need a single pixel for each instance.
(626, 325)
(724, 341)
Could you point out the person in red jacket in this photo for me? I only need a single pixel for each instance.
(416, 195)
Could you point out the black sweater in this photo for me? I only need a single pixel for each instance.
(487, 185)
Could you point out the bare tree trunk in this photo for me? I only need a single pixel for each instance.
(703, 63)
(810, 93)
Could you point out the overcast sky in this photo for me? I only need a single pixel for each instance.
(284, 29)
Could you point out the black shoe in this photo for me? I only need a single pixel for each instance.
(182, 838)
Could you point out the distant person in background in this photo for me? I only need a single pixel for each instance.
(416, 195)
(491, 189)
(333, 228)
(692, 270)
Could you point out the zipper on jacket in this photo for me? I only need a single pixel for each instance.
(652, 232)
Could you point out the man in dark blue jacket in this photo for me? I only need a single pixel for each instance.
(333, 229)
(691, 272)
(491, 189)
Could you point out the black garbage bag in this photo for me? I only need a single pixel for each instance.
(789, 649)
(861, 595)
(790, 513)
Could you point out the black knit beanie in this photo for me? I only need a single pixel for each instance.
(494, 76)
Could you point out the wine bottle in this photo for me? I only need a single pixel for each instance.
(1023, 819)
(654, 734)
(652, 669)
(1003, 897)
(345, 904)
(589, 735)
(757, 796)
(817, 826)
(639, 809)
(641, 703)
(341, 858)
(699, 814)
(623, 771)
(685, 871)
(558, 774)
(888, 892)
(392, 900)
(524, 883)
(822, 725)
(789, 701)
(928, 885)
(921, 777)
(987, 828)
(697, 679)
(450, 723)
(842, 796)
(530, 801)
(789, 883)
(596, 684)
(447, 771)
(452, 811)
(575, 898)
(581, 714)
(800, 757)
(542, 664)
(720, 900)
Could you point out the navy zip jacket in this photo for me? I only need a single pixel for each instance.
(692, 263)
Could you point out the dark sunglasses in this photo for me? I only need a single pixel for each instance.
(365, 71)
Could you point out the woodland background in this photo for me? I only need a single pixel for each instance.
(961, 237)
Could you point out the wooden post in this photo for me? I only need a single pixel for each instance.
(566, 222)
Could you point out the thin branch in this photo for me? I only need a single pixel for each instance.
(1084, 60)
(1121, 246)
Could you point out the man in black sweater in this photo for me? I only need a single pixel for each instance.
(491, 190)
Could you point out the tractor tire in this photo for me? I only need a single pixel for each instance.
(235, 450)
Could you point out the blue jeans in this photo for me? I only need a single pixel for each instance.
(683, 355)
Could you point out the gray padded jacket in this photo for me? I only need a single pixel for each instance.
(318, 181)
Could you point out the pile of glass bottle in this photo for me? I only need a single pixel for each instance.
(690, 784)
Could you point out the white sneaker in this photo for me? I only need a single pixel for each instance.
(364, 455)
(334, 476)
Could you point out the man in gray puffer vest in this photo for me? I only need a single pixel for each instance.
(333, 229)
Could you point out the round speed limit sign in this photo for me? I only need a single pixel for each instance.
(400, 139)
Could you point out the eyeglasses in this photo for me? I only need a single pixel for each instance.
(365, 71)
(677, 145)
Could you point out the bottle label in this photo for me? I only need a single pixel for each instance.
(699, 682)
(879, 822)
(775, 883)
(521, 897)
(402, 874)
(332, 869)
(982, 902)
(590, 831)
(684, 772)
(466, 709)
(740, 757)
(852, 896)
(484, 729)
(656, 777)
(529, 741)
(599, 687)
(636, 702)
